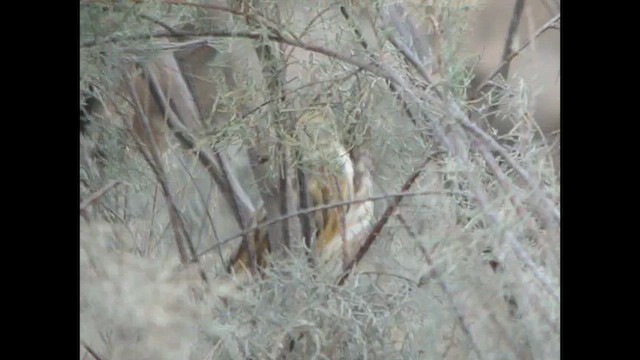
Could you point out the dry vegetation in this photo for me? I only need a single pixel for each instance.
(464, 260)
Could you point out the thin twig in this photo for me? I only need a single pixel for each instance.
(548, 25)
(248, 241)
(203, 6)
(248, 35)
(335, 205)
(160, 23)
(406, 226)
(91, 351)
(518, 8)
(336, 79)
(391, 84)
(84, 205)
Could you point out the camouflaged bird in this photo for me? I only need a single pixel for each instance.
(338, 231)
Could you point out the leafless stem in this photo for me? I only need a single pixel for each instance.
(236, 197)
(84, 205)
(548, 25)
(511, 34)
(90, 350)
(159, 22)
(246, 218)
(406, 226)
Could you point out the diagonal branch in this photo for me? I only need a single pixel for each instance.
(84, 205)
(91, 351)
(373, 234)
(548, 25)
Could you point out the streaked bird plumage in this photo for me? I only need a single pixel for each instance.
(339, 231)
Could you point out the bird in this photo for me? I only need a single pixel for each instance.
(337, 230)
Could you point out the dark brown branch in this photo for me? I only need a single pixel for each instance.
(391, 208)
(222, 179)
(353, 26)
(511, 34)
(160, 23)
(492, 111)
